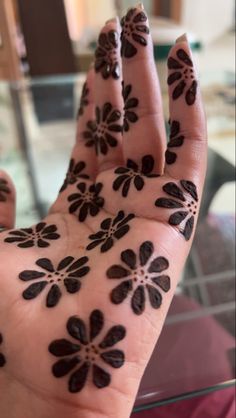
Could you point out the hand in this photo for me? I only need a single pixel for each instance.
(85, 292)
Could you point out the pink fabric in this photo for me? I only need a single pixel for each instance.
(220, 404)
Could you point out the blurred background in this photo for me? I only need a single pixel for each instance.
(45, 49)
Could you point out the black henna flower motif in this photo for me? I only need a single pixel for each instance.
(140, 276)
(111, 230)
(86, 354)
(75, 172)
(132, 173)
(176, 140)
(68, 274)
(37, 236)
(133, 28)
(183, 74)
(106, 60)
(185, 200)
(4, 190)
(89, 133)
(107, 120)
(130, 103)
(2, 357)
(87, 200)
(83, 100)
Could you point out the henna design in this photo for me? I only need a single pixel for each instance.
(87, 200)
(83, 100)
(69, 272)
(176, 140)
(138, 277)
(91, 353)
(132, 173)
(133, 27)
(185, 199)
(37, 236)
(2, 357)
(88, 135)
(106, 119)
(111, 230)
(75, 172)
(130, 103)
(183, 73)
(106, 60)
(4, 190)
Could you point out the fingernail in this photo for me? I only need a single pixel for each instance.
(140, 6)
(113, 20)
(182, 38)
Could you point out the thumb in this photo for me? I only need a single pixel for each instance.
(7, 201)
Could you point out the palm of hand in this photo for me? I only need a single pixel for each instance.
(84, 300)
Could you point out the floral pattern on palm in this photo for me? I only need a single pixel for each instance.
(111, 230)
(134, 28)
(184, 205)
(106, 55)
(75, 172)
(107, 119)
(130, 104)
(132, 173)
(83, 100)
(68, 274)
(140, 275)
(183, 74)
(37, 236)
(87, 201)
(86, 354)
(4, 190)
(176, 140)
(2, 357)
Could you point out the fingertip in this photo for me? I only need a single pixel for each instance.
(7, 201)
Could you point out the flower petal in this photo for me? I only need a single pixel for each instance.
(158, 265)
(27, 275)
(138, 300)
(79, 167)
(107, 245)
(190, 187)
(111, 140)
(45, 264)
(106, 223)
(176, 142)
(72, 285)
(140, 17)
(139, 182)
(78, 378)
(126, 220)
(183, 56)
(177, 217)
(127, 49)
(26, 244)
(115, 358)
(117, 272)
(94, 244)
(83, 212)
(147, 164)
(107, 108)
(162, 202)
(142, 28)
(63, 367)
(19, 233)
(131, 116)
(140, 39)
(80, 272)
(188, 228)
(51, 235)
(121, 170)
(96, 321)
(77, 264)
(173, 64)
(98, 235)
(173, 190)
(77, 329)
(53, 296)
(154, 296)
(174, 129)
(120, 292)
(179, 89)
(170, 157)
(73, 208)
(114, 335)
(163, 282)
(63, 347)
(101, 378)
(129, 258)
(145, 252)
(65, 262)
(191, 93)
(126, 186)
(119, 181)
(114, 116)
(130, 103)
(177, 75)
(15, 239)
(120, 232)
(34, 290)
(42, 244)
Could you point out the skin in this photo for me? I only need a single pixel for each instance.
(27, 386)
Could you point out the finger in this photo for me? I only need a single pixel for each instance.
(108, 98)
(144, 130)
(186, 152)
(83, 161)
(7, 202)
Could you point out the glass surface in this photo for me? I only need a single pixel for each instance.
(196, 350)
